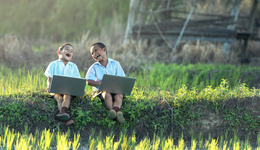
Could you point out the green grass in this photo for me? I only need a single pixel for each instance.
(48, 139)
(172, 77)
(166, 99)
(21, 81)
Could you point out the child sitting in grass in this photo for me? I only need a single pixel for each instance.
(95, 74)
(64, 67)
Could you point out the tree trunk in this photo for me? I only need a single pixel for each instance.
(130, 20)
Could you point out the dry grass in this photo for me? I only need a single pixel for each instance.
(254, 49)
(13, 51)
(203, 52)
(17, 52)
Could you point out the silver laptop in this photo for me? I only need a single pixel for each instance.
(117, 84)
(68, 85)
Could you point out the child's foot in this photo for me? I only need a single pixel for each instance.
(112, 114)
(63, 117)
(69, 122)
(119, 117)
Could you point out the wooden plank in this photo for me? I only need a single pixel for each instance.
(195, 28)
(179, 24)
(169, 27)
(193, 33)
(189, 38)
(173, 10)
(190, 33)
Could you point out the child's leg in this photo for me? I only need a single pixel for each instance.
(118, 101)
(59, 100)
(108, 100)
(109, 104)
(118, 98)
(65, 103)
(65, 107)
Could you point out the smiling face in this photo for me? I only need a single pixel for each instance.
(98, 54)
(66, 53)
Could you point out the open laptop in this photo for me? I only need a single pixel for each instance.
(117, 84)
(68, 85)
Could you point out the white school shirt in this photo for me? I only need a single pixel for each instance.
(57, 67)
(97, 71)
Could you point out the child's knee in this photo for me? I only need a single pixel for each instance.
(58, 99)
(106, 95)
(57, 96)
(67, 96)
(120, 96)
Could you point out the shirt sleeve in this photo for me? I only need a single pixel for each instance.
(120, 71)
(76, 72)
(49, 71)
(91, 73)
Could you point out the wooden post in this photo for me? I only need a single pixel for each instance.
(130, 20)
(250, 28)
(167, 14)
(140, 19)
(234, 14)
(183, 29)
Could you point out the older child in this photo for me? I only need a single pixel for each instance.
(104, 65)
(62, 66)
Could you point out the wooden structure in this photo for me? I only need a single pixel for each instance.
(168, 23)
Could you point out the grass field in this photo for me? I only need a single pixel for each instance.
(199, 105)
(48, 139)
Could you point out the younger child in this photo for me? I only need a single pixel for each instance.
(104, 65)
(64, 67)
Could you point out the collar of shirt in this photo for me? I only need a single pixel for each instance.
(69, 63)
(108, 62)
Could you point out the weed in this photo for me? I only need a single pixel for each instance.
(152, 105)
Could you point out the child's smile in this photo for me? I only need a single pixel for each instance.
(98, 53)
(97, 56)
(66, 54)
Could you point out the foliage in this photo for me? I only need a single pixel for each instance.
(57, 140)
(198, 76)
(150, 107)
(59, 20)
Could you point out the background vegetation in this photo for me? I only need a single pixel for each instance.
(60, 19)
(31, 32)
(191, 110)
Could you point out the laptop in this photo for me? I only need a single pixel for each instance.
(68, 85)
(117, 84)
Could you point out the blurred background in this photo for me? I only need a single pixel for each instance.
(31, 32)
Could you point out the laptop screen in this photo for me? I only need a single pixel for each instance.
(68, 85)
(117, 84)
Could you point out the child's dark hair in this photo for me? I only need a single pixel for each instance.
(63, 46)
(99, 44)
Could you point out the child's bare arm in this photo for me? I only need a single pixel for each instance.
(93, 83)
(48, 84)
